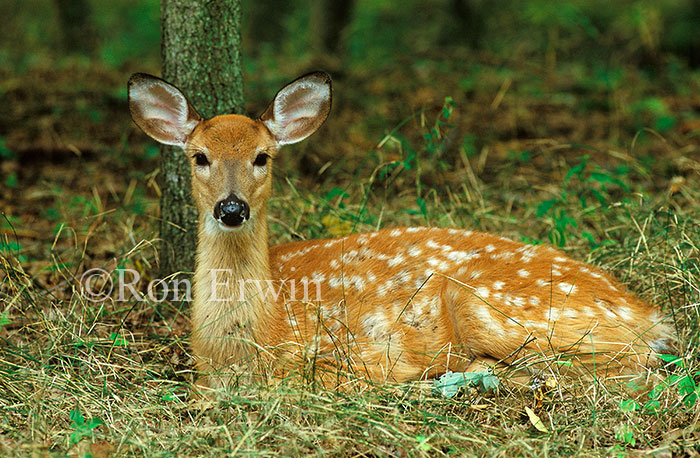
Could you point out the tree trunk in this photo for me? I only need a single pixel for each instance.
(201, 55)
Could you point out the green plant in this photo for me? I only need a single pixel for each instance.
(81, 427)
(588, 188)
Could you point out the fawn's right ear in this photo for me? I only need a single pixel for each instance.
(299, 108)
(161, 110)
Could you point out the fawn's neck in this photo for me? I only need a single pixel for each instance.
(231, 266)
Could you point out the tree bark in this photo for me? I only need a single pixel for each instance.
(201, 51)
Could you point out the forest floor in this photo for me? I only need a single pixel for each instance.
(603, 163)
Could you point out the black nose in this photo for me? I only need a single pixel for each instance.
(232, 211)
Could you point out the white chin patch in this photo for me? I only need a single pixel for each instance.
(214, 227)
(226, 228)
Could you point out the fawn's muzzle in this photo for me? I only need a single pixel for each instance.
(232, 211)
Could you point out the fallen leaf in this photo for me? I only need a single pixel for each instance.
(535, 420)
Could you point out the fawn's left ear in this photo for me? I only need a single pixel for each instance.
(161, 110)
(299, 108)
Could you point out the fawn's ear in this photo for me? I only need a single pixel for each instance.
(161, 110)
(299, 108)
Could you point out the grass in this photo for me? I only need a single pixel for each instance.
(609, 179)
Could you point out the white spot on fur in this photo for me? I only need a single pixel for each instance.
(535, 325)
(335, 264)
(431, 244)
(489, 324)
(420, 282)
(498, 285)
(396, 260)
(552, 314)
(514, 300)
(318, 276)
(560, 259)
(502, 255)
(376, 327)
(625, 313)
(335, 282)
(403, 277)
(463, 256)
(567, 288)
(474, 274)
(542, 283)
(482, 292)
(414, 251)
(438, 264)
(534, 300)
(385, 288)
(489, 248)
(395, 233)
(527, 253)
(358, 282)
(523, 273)
(570, 313)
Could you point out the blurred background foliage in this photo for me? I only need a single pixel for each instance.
(122, 31)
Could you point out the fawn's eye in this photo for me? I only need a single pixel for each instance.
(200, 159)
(261, 160)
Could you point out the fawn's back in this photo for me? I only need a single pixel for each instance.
(415, 302)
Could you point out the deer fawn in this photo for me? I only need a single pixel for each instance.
(398, 304)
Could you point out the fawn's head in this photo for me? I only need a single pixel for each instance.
(230, 154)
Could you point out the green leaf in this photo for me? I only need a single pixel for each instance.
(489, 382)
(664, 123)
(11, 180)
(673, 359)
(545, 207)
(576, 170)
(118, 340)
(628, 405)
(422, 205)
(6, 153)
(626, 435)
(423, 442)
(652, 406)
(4, 319)
(77, 417)
(336, 192)
(450, 383)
